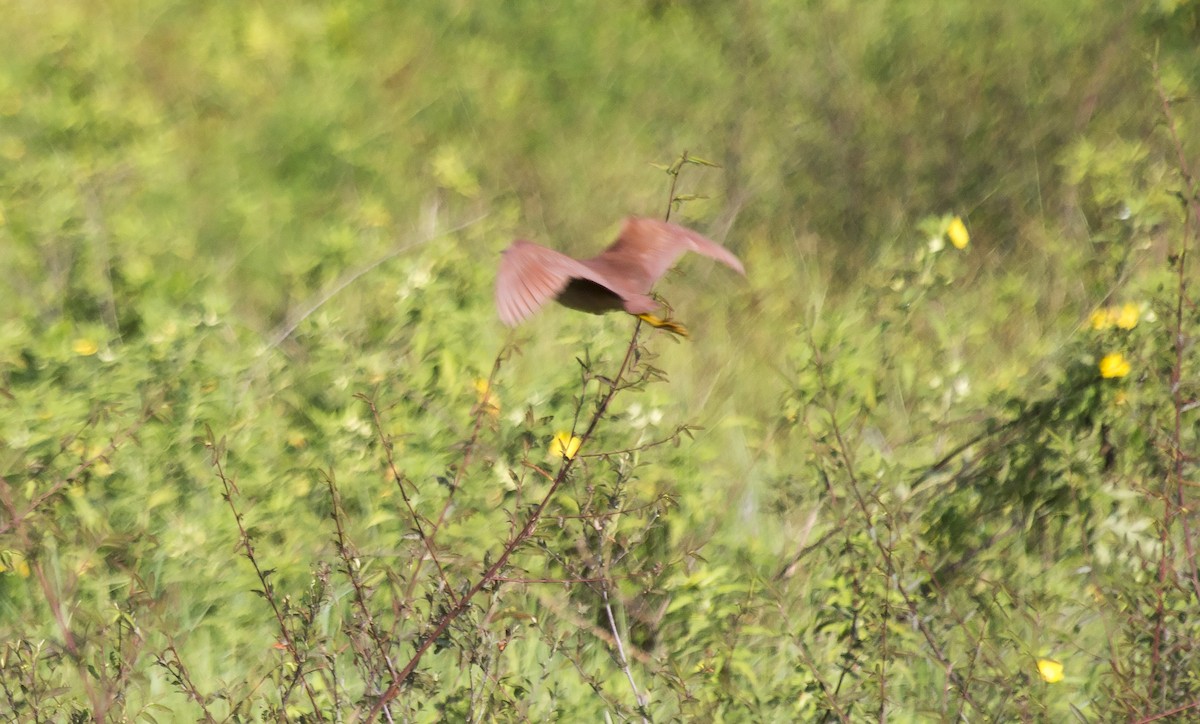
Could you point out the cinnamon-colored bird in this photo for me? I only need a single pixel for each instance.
(619, 278)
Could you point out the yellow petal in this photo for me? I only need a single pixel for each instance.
(564, 445)
(1127, 316)
(1050, 670)
(485, 398)
(1100, 320)
(1114, 365)
(957, 232)
(85, 347)
(14, 562)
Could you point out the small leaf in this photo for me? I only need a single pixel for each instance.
(702, 162)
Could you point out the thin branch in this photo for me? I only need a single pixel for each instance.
(1170, 713)
(884, 551)
(624, 660)
(179, 675)
(349, 561)
(481, 411)
(488, 577)
(673, 437)
(426, 538)
(1177, 398)
(229, 492)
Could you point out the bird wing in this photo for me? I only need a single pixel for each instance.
(531, 275)
(647, 248)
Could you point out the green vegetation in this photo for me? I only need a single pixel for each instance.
(267, 455)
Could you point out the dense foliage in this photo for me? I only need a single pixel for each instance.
(266, 453)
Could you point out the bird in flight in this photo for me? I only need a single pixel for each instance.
(619, 278)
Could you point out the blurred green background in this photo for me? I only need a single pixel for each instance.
(912, 479)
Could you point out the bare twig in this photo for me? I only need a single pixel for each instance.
(1179, 402)
(480, 412)
(624, 660)
(885, 551)
(229, 493)
(350, 563)
(1170, 713)
(488, 577)
(1174, 500)
(673, 437)
(179, 675)
(422, 533)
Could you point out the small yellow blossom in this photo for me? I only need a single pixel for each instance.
(93, 456)
(1051, 671)
(1127, 316)
(957, 232)
(1114, 365)
(14, 562)
(102, 467)
(85, 347)
(485, 398)
(564, 445)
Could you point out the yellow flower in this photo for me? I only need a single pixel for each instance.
(564, 445)
(1114, 365)
(85, 347)
(1050, 670)
(1126, 317)
(14, 562)
(485, 398)
(957, 232)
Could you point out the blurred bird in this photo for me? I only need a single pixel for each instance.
(619, 278)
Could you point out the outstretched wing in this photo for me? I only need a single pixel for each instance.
(531, 275)
(647, 248)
